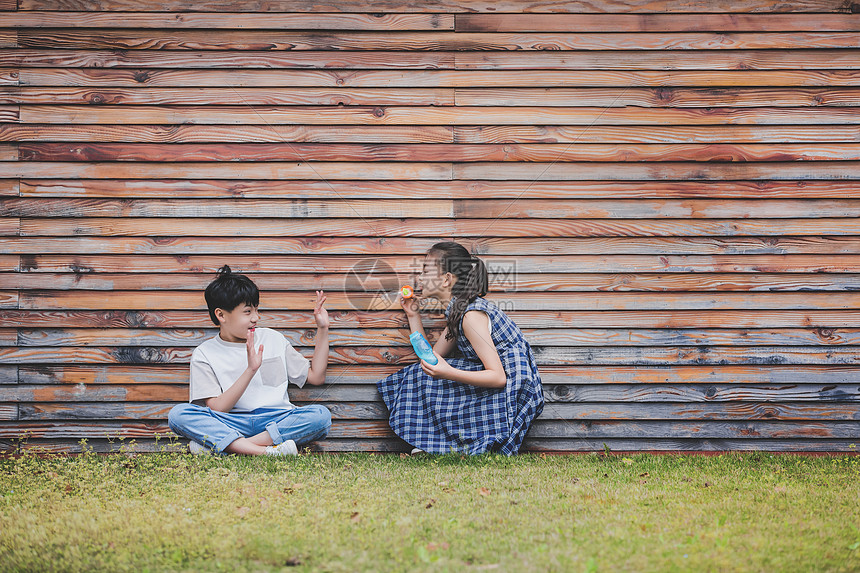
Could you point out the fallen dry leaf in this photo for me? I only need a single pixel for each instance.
(434, 546)
(242, 511)
(355, 517)
(646, 474)
(485, 491)
(430, 504)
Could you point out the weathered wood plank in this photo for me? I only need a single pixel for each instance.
(94, 410)
(410, 115)
(436, 152)
(196, 59)
(703, 171)
(607, 356)
(768, 411)
(9, 412)
(522, 282)
(427, 134)
(670, 445)
(10, 113)
(272, 39)
(8, 375)
(251, 21)
(580, 337)
(99, 74)
(25, 318)
(629, 393)
(10, 187)
(369, 374)
(608, 134)
(618, 97)
(433, 228)
(634, 60)
(742, 251)
(540, 429)
(526, 189)
(8, 77)
(100, 393)
(9, 299)
(118, 375)
(460, 208)
(9, 263)
(170, 300)
(608, 394)
(271, 170)
(678, 22)
(542, 273)
(270, 134)
(443, 6)
(245, 96)
(295, 96)
(8, 336)
(8, 38)
(741, 411)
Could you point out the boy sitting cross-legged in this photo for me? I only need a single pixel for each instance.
(239, 402)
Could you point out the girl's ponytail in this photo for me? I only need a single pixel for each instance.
(472, 279)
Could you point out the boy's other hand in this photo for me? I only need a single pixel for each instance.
(320, 313)
(255, 359)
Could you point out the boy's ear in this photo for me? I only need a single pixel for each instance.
(219, 314)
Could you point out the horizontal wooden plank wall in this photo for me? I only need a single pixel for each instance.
(667, 194)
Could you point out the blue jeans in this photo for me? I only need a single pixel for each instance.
(217, 430)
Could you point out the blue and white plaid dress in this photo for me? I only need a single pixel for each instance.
(441, 416)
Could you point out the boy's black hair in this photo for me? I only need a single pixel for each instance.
(228, 291)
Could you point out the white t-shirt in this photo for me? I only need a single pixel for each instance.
(216, 365)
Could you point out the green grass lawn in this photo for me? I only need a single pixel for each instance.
(359, 512)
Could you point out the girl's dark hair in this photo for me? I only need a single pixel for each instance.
(471, 276)
(228, 291)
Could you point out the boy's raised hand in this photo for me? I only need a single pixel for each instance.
(255, 359)
(320, 313)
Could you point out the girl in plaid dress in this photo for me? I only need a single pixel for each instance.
(484, 400)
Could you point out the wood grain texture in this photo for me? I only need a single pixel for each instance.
(665, 194)
(445, 6)
(678, 22)
(271, 251)
(390, 319)
(428, 134)
(548, 282)
(430, 228)
(241, 40)
(364, 301)
(265, 96)
(361, 375)
(396, 337)
(105, 69)
(405, 115)
(508, 189)
(460, 208)
(436, 152)
(57, 18)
